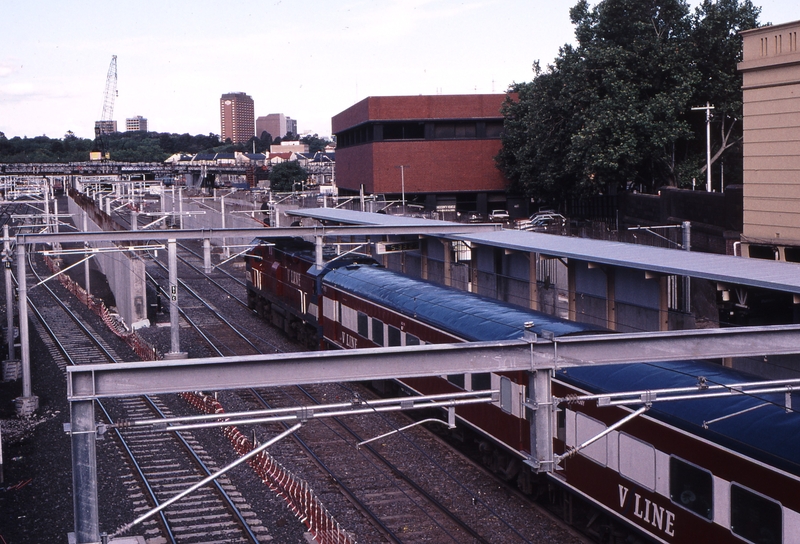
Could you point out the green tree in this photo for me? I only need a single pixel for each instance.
(284, 175)
(315, 143)
(718, 48)
(614, 111)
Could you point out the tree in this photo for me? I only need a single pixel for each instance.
(315, 143)
(265, 140)
(284, 175)
(614, 112)
(718, 47)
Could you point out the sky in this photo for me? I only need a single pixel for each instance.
(307, 59)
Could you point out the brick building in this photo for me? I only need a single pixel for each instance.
(437, 150)
(237, 117)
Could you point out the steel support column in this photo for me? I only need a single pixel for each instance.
(207, 255)
(84, 471)
(9, 293)
(23, 321)
(541, 423)
(174, 317)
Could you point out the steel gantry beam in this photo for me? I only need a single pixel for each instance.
(265, 232)
(537, 355)
(220, 373)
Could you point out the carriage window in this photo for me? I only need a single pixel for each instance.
(505, 394)
(691, 487)
(456, 379)
(481, 381)
(754, 517)
(637, 461)
(377, 331)
(587, 427)
(394, 336)
(363, 325)
(411, 340)
(338, 311)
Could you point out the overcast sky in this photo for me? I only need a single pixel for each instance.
(307, 59)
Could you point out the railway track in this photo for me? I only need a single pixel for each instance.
(162, 464)
(382, 482)
(378, 516)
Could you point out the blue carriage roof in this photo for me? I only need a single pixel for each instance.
(465, 315)
(767, 433)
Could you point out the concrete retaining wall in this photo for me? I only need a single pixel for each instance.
(125, 274)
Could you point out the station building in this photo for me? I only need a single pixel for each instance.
(437, 151)
(771, 95)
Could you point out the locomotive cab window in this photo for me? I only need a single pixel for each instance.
(754, 517)
(691, 487)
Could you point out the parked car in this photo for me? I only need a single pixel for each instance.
(474, 217)
(499, 216)
(545, 221)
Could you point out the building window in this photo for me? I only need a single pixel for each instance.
(754, 517)
(761, 252)
(691, 487)
(404, 131)
(792, 254)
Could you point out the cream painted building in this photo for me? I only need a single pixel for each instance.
(771, 95)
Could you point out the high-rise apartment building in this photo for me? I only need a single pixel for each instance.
(133, 124)
(237, 116)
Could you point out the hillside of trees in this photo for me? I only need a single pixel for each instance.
(132, 146)
(614, 111)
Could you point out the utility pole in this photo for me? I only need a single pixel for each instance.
(708, 107)
(402, 168)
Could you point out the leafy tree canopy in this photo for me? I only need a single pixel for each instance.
(614, 111)
(315, 143)
(122, 146)
(284, 175)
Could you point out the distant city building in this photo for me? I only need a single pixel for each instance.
(105, 127)
(291, 125)
(275, 124)
(290, 146)
(133, 124)
(237, 117)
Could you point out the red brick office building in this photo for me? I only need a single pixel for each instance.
(446, 146)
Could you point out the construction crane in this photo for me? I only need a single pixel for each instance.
(106, 123)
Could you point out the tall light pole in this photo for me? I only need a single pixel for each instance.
(708, 107)
(402, 168)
